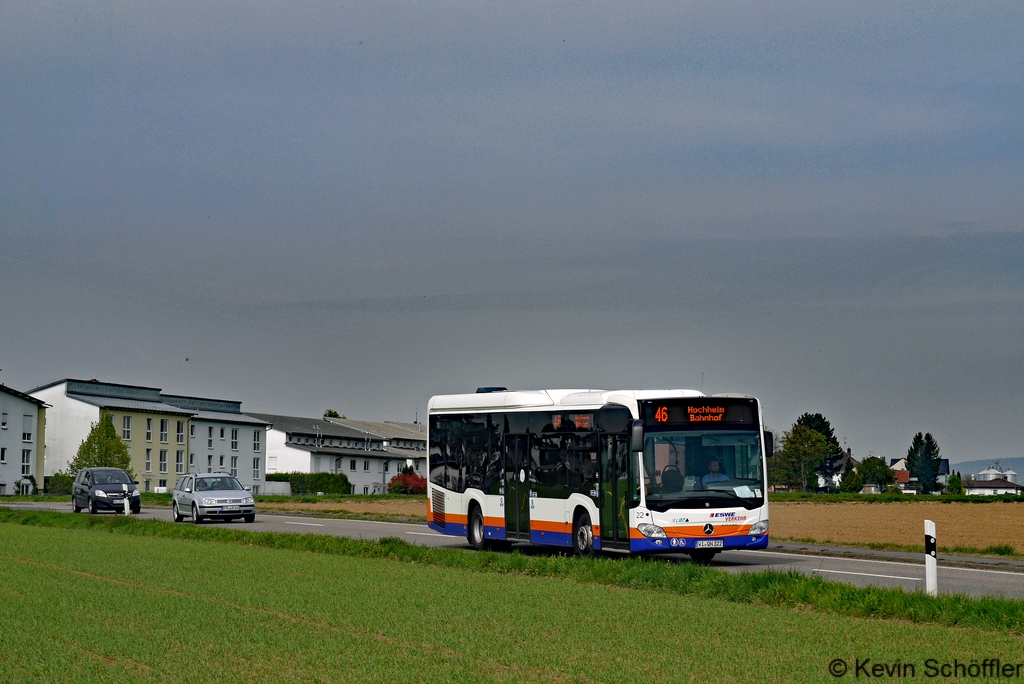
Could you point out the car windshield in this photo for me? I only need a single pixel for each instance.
(105, 477)
(209, 484)
(686, 468)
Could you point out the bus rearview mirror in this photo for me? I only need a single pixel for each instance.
(636, 436)
(769, 444)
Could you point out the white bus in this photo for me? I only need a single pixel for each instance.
(634, 471)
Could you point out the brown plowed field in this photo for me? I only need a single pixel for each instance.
(957, 524)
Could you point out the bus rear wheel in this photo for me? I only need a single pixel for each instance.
(476, 529)
(583, 536)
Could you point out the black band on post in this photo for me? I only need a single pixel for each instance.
(929, 546)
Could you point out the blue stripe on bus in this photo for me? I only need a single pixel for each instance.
(453, 529)
(494, 532)
(686, 545)
(551, 538)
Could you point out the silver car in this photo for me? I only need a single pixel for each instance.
(212, 496)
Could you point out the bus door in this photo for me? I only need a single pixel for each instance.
(614, 491)
(517, 486)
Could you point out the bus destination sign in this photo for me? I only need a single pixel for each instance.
(700, 412)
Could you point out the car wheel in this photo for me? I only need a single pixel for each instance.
(476, 529)
(196, 518)
(92, 507)
(175, 513)
(250, 518)
(583, 536)
(74, 505)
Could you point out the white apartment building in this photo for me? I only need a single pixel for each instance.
(222, 439)
(22, 441)
(317, 445)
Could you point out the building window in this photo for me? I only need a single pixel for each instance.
(26, 429)
(234, 466)
(209, 463)
(147, 484)
(26, 461)
(366, 490)
(386, 463)
(222, 433)
(3, 454)
(149, 461)
(366, 468)
(163, 430)
(191, 462)
(162, 483)
(234, 439)
(179, 462)
(209, 437)
(255, 468)
(192, 430)
(352, 464)
(221, 463)
(181, 432)
(255, 490)
(256, 441)
(163, 461)
(3, 421)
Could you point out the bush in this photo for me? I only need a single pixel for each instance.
(311, 483)
(407, 484)
(59, 484)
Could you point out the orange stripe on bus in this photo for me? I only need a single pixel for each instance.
(494, 522)
(454, 518)
(698, 531)
(548, 526)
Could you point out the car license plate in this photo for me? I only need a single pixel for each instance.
(229, 508)
(118, 502)
(710, 544)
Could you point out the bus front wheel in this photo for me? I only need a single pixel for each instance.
(476, 529)
(583, 536)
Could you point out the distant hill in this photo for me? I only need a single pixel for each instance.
(971, 467)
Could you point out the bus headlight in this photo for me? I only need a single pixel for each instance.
(649, 530)
(759, 527)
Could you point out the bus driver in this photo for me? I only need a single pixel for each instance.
(714, 474)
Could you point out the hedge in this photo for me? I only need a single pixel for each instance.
(311, 483)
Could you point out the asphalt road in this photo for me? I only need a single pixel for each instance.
(863, 571)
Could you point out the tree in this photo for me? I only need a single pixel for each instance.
(331, 413)
(955, 484)
(851, 483)
(803, 450)
(873, 470)
(834, 463)
(102, 448)
(923, 461)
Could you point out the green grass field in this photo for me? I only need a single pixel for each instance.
(85, 605)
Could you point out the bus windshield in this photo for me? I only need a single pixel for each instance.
(689, 468)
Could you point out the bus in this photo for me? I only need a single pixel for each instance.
(636, 471)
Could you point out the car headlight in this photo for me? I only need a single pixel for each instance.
(135, 492)
(100, 493)
(209, 502)
(649, 530)
(759, 527)
(248, 499)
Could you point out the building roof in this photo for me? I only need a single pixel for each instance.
(131, 405)
(202, 403)
(228, 417)
(345, 451)
(943, 466)
(22, 395)
(105, 389)
(313, 427)
(992, 484)
(386, 429)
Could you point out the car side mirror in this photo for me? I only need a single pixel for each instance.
(636, 436)
(135, 482)
(769, 445)
(248, 489)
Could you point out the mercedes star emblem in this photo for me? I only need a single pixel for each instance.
(709, 529)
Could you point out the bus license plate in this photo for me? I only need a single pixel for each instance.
(710, 544)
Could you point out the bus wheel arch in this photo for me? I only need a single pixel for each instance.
(582, 532)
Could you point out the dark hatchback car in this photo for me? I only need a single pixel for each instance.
(104, 489)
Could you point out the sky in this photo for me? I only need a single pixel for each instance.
(358, 205)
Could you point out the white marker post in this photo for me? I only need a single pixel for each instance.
(127, 500)
(931, 579)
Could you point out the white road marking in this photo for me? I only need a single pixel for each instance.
(289, 522)
(868, 574)
(942, 568)
(432, 534)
